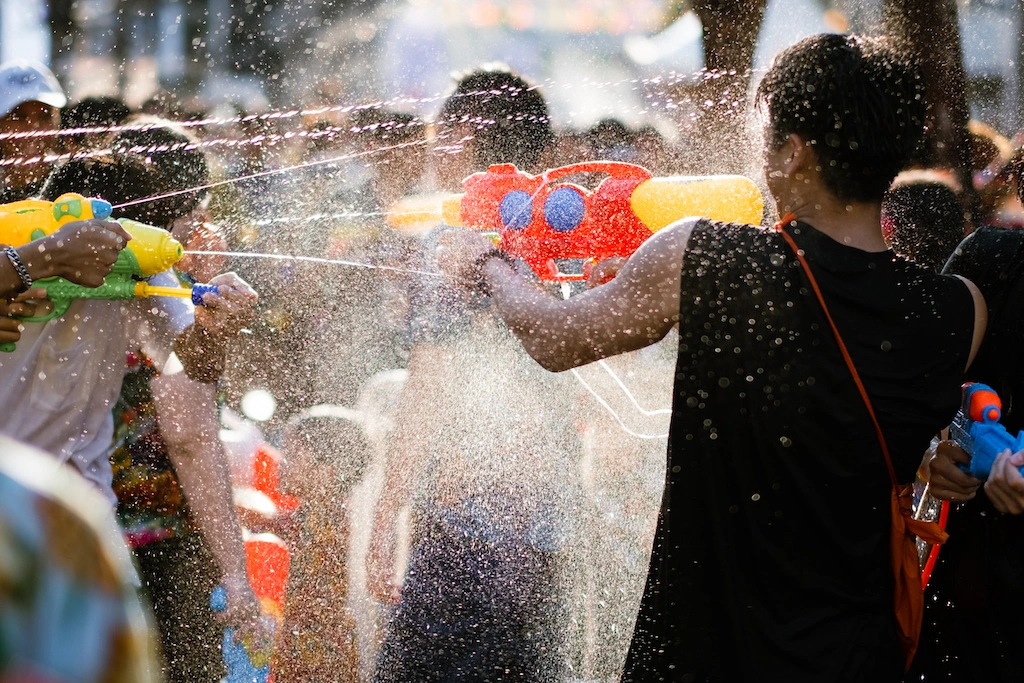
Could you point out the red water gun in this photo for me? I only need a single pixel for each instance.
(561, 230)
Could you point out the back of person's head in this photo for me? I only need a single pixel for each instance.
(923, 219)
(508, 114)
(146, 163)
(115, 179)
(177, 163)
(332, 436)
(93, 112)
(164, 104)
(988, 147)
(611, 139)
(858, 102)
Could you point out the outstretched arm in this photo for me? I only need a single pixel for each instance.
(634, 310)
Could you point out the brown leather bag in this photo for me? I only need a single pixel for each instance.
(908, 593)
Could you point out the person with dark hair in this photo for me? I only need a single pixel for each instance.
(60, 391)
(326, 452)
(484, 450)
(972, 627)
(493, 116)
(923, 218)
(171, 474)
(772, 555)
(173, 160)
(92, 112)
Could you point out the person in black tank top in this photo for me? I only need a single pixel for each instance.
(771, 557)
(973, 627)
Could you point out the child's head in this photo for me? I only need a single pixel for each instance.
(326, 452)
(177, 162)
(116, 179)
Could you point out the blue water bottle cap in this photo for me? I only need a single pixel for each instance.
(219, 599)
(199, 290)
(101, 209)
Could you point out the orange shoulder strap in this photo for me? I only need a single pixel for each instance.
(790, 218)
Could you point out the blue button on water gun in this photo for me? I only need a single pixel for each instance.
(977, 430)
(237, 658)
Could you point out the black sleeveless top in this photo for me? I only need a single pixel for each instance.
(771, 556)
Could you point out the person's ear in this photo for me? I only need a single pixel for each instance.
(795, 154)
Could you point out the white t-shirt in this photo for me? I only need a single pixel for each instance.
(58, 388)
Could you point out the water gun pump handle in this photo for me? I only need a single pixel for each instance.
(198, 290)
(616, 169)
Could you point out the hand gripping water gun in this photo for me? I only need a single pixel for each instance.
(561, 230)
(150, 251)
(245, 663)
(976, 429)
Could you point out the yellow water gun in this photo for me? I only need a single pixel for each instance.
(150, 251)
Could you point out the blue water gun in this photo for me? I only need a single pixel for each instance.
(244, 665)
(977, 430)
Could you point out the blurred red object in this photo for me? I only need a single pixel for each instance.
(266, 477)
(268, 561)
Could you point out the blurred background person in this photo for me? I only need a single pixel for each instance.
(30, 101)
(326, 453)
(923, 218)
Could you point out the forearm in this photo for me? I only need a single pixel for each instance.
(38, 268)
(201, 354)
(563, 334)
(187, 416)
(205, 478)
(10, 282)
(545, 326)
(418, 420)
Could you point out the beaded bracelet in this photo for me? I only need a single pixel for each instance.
(478, 268)
(19, 267)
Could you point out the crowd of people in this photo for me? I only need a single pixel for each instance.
(451, 510)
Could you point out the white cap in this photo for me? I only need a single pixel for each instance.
(23, 81)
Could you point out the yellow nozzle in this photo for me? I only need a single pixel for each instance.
(451, 210)
(144, 289)
(417, 214)
(154, 249)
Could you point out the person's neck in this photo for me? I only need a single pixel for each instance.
(855, 224)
